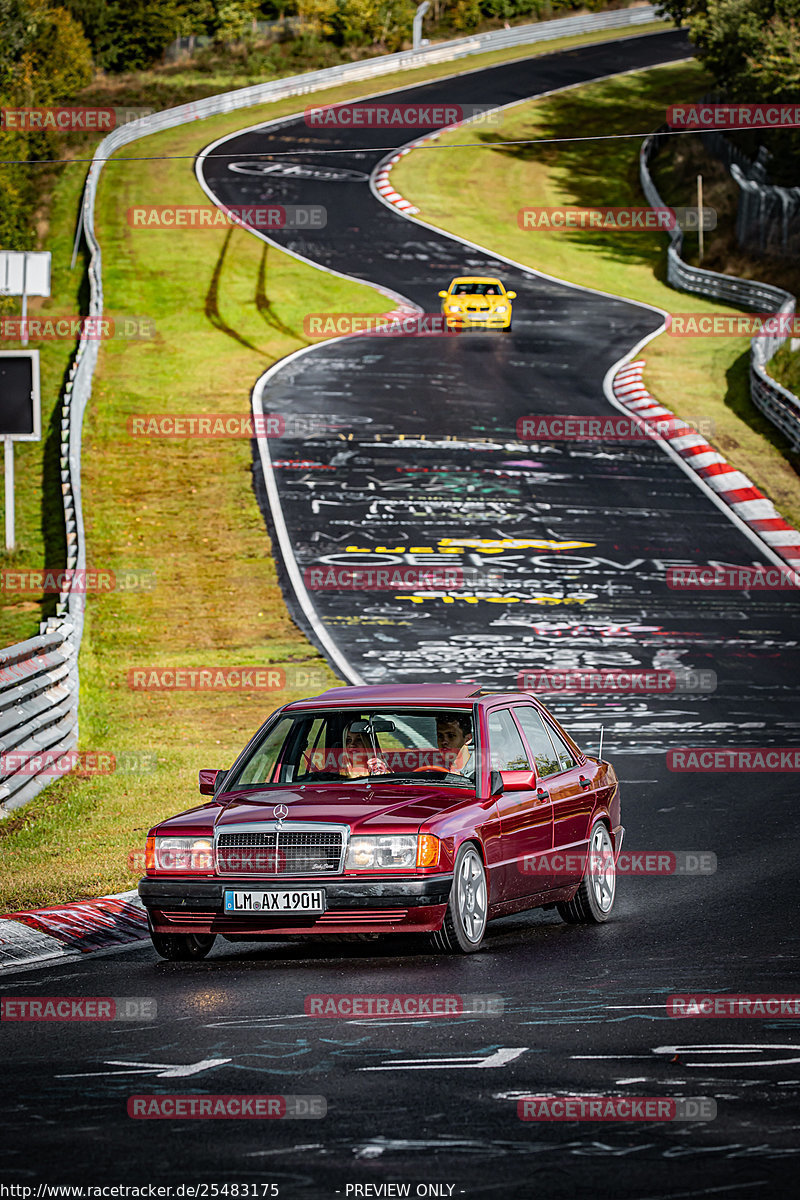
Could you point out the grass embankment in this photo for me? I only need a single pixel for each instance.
(699, 378)
(182, 509)
(785, 366)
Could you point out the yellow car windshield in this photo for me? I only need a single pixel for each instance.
(476, 289)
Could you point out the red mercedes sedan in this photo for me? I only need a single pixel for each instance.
(424, 808)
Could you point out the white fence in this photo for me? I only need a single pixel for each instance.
(43, 716)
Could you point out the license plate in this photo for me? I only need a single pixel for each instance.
(284, 902)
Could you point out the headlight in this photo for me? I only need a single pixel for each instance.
(454, 307)
(391, 851)
(180, 854)
(501, 308)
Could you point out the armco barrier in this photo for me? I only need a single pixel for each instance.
(38, 711)
(47, 717)
(777, 403)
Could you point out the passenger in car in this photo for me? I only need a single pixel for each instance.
(454, 739)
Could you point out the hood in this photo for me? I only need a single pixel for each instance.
(384, 806)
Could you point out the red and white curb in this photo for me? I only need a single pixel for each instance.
(401, 313)
(65, 931)
(385, 188)
(731, 486)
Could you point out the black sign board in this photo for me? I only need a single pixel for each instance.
(19, 395)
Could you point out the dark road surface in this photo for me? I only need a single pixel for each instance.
(433, 1102)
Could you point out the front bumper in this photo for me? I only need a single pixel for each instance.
(352, 905)
(477, 320)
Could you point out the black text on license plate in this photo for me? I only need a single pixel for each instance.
(285, 902)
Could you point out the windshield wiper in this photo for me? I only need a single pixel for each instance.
(449, 779)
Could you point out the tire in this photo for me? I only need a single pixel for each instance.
(507, 329)
(464, 924)
(182, 947)
(594, 899)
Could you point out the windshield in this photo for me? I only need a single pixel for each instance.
(379, 745)
(476, 289)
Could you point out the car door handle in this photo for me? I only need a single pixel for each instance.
(542, 794)
(584, 782)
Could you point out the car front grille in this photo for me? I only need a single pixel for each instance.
(271, 851)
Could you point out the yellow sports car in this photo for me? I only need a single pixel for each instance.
(477, 302)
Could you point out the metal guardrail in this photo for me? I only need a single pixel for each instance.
(46, 718)
(38, 713)
(777, 403)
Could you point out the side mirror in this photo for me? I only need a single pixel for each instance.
(208, 781)
(443, 294)
(496, 785)
(519, 781)
(511, 295)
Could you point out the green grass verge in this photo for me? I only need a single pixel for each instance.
(182, 509)
(785, 366)
(698, 378)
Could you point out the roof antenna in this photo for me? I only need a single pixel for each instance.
(601, 742)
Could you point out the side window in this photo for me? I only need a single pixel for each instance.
(260, 767)
(506, 749)
(565, 756)
(538, 739)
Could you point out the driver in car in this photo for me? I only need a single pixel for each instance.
(454, 739)
(359, 758)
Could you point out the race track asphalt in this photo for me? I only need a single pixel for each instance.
(434, 1101)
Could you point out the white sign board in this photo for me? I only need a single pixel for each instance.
(24, 272)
